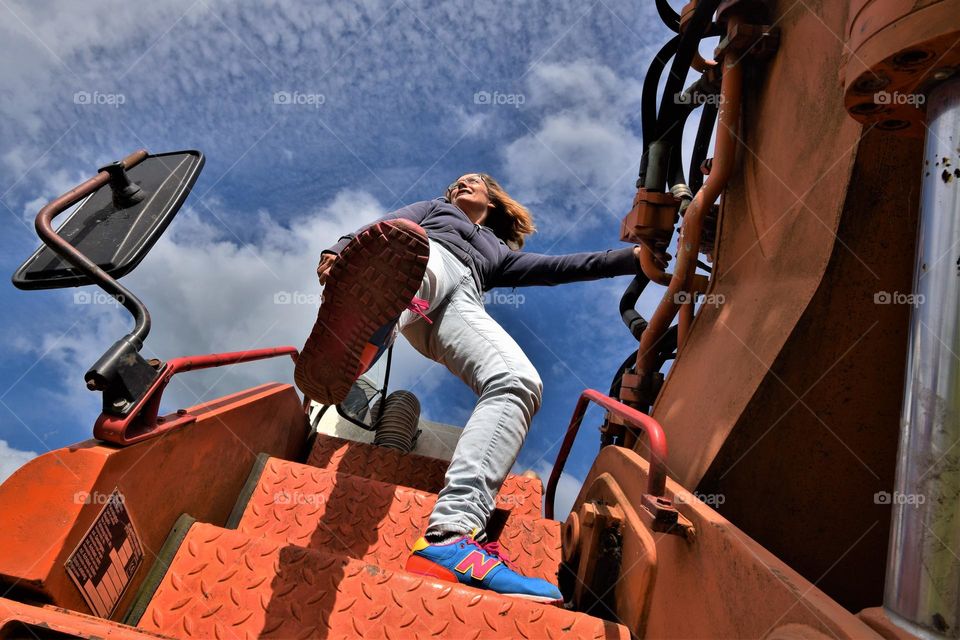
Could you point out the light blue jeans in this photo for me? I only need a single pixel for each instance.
(476, 349)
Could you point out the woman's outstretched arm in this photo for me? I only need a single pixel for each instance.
(520, 269)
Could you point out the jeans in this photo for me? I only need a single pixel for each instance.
(476, 349)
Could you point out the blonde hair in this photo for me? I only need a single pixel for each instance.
(510, 220)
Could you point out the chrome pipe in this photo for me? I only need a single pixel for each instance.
(922, 589)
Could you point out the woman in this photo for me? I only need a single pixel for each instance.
(424, 267)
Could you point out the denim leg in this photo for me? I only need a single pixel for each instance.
(471, 344)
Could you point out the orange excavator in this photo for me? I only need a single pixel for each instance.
(795, 475)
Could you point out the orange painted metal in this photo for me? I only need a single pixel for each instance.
(19, 620)
(50, 502)
(378, 522)
(224, 584)
(718, 583)
(897, 51)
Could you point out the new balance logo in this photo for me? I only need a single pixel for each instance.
(477, 565)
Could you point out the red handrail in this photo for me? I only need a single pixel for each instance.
(657, 480)
(143, 422)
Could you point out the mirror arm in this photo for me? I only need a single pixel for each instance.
(121, 373)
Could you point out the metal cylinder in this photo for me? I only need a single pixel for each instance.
(922, 590)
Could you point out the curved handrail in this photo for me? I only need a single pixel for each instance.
(143, 421)
(656, 481)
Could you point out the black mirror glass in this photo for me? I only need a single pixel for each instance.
(116, 237)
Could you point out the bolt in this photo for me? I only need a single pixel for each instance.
(119, 403)
(943, 74)
(181, 412)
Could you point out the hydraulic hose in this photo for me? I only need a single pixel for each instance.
(648, 99)
(672, 113)
(690, 231)
(670, 17)
(628, 302)
(701, 145)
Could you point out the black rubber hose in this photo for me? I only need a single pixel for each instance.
(628, 302)
(701, 144)
(670, 17)
(648, 99)
(698, 28)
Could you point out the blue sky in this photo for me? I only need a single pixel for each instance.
(314, 119)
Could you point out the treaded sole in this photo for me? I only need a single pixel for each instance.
(370, 284)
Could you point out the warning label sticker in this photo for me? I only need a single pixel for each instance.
(107, 557)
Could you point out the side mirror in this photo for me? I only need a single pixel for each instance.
(128, 206)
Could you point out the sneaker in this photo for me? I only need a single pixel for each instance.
(371, 283)
(478, 565)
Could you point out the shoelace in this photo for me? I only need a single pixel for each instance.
(419, 306)
(493, 548)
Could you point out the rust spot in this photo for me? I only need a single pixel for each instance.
(946, 176)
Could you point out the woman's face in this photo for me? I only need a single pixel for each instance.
(469, 192)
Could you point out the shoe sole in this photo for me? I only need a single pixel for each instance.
(370, 284)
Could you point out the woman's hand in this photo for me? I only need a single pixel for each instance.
(660, 257)
(326, 263)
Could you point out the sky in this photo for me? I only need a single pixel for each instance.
(315, 118)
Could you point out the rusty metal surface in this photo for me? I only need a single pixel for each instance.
(792, 381)
(19, 620)
(379, 522)
(718, 584)
(224, 584)
(51, 501)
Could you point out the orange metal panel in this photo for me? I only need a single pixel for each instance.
(224, 584)
(18, 620)
(719, 583)
(786, 396)
(50, 502)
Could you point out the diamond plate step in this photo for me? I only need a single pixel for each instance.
(414, 471)
(226, 584)
(374, 521)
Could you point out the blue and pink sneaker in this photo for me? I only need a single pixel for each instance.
(478, 565)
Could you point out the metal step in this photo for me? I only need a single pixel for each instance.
(375, 521)
(226, 584)
(518, 493)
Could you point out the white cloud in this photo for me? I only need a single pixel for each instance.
(12, 459)
(583, 148)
